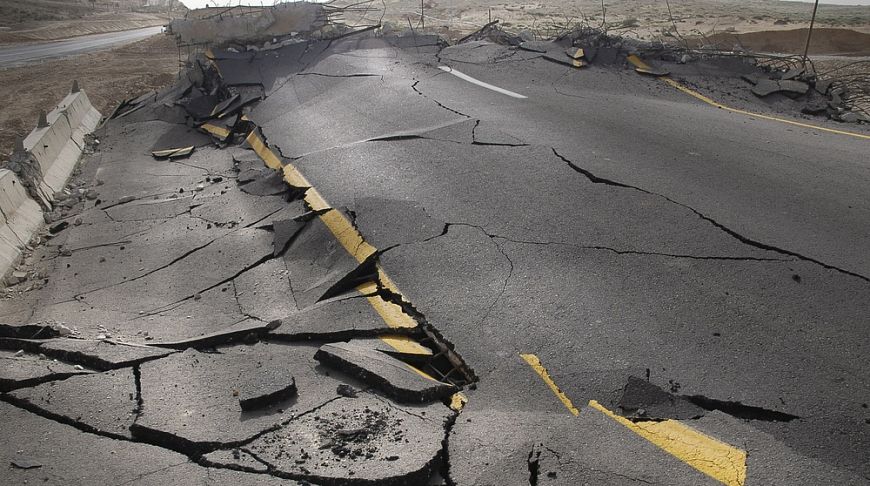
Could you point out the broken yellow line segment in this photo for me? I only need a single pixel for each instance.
(720, 461)
(536, 365)
(355, 244)
(637, 62)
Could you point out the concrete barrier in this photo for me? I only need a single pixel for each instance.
(58, 146)
(55, 148)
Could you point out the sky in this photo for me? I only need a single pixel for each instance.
(211, 3)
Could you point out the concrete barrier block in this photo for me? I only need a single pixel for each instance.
(56, 148)
(21, 218)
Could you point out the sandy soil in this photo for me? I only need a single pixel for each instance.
(45, 20)
(645, 19)
(107, 77)
(62, 29)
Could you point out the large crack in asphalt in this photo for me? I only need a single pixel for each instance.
(414, 87)
(742, 238)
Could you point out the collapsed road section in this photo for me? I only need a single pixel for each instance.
(328, 261)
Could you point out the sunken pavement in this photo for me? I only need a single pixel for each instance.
(314, 264)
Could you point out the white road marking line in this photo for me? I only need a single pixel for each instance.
(480, 83)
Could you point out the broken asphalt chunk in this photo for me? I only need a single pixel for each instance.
(641, 400)
(19, 370)
(334, 319)
(191, 399)
(364, 440)
(393, 377)
(318, 263)
(284, 231)
(562, 59)
(575, 52)
(100, 402)
(266, 387)
(174, 153)
(101, 354)
(766, 87)
(236, 332)
(268, 183)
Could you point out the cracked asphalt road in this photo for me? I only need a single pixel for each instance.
(611, 227)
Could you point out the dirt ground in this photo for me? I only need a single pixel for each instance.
(108, 77)
(41, 31)
(644, 19)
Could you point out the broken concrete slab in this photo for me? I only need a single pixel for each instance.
(642, 400)
(560, 58)
(180, 281)
(391, 376)
(100, 354)
(317, 262)
(265, 388)
(269, 183)
(228, 206)
(364, 440)
(284, 231)
(103, 403)
(206, 388)
(264, 291)
(247, 329)
(333, 319)
(19, 370)
(385, 223)
(173, 153)
(176, 137)
(766, 87)
(69, 456)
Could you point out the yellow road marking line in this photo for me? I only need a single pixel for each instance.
(355, 244)
(720, 461)
(216, 130)
(709, 101)
(536, 365)
(272, 161)
(637, 62)
(406, 345)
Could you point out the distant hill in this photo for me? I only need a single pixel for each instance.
(16, 12)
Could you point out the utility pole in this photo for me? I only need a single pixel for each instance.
(422, 19)
(810, 33)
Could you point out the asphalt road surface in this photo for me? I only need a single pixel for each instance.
(19, 55)
(627, 285)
